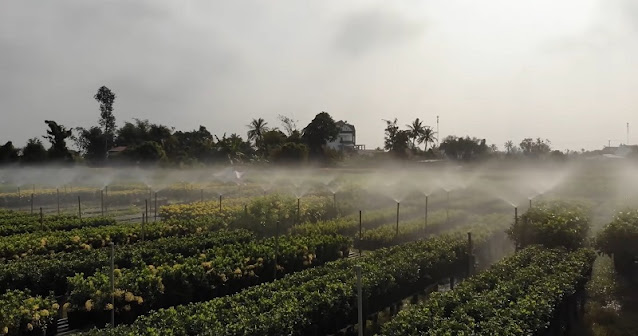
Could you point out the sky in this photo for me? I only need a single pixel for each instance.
(563, 70)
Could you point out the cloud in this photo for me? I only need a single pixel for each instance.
(374, 29)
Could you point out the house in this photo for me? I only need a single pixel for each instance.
(115, 151)
(347, 138)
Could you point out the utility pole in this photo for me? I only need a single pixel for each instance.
(438, 136)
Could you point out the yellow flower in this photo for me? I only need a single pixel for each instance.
(5, 330)
(75, 239)
(127, 308)
(117, 272)
(44, 313)
(55, 306)
(88, 305)
(129, 297)
(29, 326)
(139, 300)
(109, 306)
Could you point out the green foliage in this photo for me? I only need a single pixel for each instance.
(320, 130)
(290, 152)
(8, 153)
(23, 314)
(57, 135)
(466, 149)
(317, 300)
(147, 153)
(518, 296)
(48, 273)
(621, 235)
(34, 152)
(172, 279)
(14, 223)
(396, 141)
(106, 98)
(532, 148)
(93, 143)
(552, 224)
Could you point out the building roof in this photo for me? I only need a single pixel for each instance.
(341, 124)
(117, 149)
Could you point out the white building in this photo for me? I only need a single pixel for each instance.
(347, 138)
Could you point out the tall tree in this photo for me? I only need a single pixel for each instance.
(8, 153)
(289, 124)
(319, 131)
(57, 135)
(427, 136)
(91, 142)
(33, 152)
(106, 98)
(257, 128)
(509, 146)
(415, 131)
(534, 148)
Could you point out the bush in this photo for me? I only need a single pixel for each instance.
(619, 238)
(552, 225)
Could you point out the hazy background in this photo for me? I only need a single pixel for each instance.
(497, 69)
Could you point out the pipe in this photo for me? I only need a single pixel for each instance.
(360, 231)
(397, 229)
(359, 298)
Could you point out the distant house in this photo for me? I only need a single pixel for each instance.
(115, 151)
(347, 138)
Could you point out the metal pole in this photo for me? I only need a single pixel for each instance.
(334, 202)
(112, 284)
(398, 204)
(58, 197)
(79, 208)
(276, 248)
(102, 201)
(359, 298)
(19, 193)
(360, 232)
(143, 228)
(530, 203)
(41, 219)
(145, 208)
(202, 195)
(426, 210)
(155, 210)
(298, 209)
(106, 199)
(220, 202)
(32, 196)
(447, 209)
(470, 256)
(515, 215)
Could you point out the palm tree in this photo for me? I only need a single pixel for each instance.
(427, 136)
(256, 131)
(509, 146)
(415, 131)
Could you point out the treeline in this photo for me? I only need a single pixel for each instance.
(143, 142)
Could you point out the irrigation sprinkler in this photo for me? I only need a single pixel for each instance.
(246, 211)
(515, 215)
(32, 196)
(155, 209)
(220, 202)
(57, 191)
(397, 228)
(201, 196)
(360, 231)
(470, 256)
(447, 209)
(112, 284)
(530, 203)
(79, 208)
(106, 199)
(276, 248)
(359, 298)
(298, 209)
(41, 219)
(426, 212)
(102, 201)
(143, 226)
(146, 208)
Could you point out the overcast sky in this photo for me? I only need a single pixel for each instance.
(566, 70)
